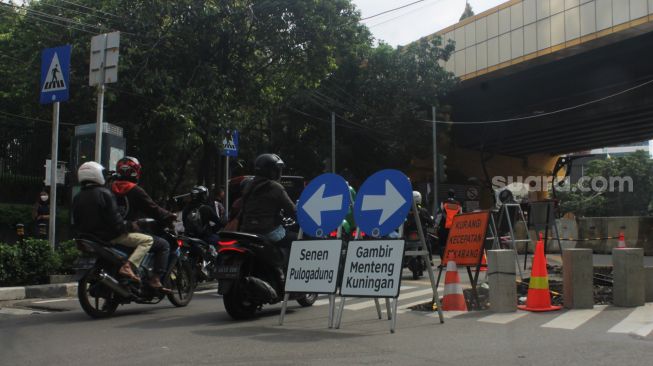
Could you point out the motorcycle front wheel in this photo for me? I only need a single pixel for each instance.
(182, 283)
(96, 300)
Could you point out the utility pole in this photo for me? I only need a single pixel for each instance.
(435, 165)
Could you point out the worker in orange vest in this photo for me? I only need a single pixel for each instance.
(448, 209)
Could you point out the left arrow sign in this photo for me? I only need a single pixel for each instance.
(317, 204)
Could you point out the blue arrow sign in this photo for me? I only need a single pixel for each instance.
(383, 202)
(323, 205)
(55, 74)
(230, 143)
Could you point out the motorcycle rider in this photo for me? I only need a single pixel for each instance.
(263, 200)
(198, 216)
(140, 205)
(95, 212)
(425, 219)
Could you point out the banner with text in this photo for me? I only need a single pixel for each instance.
(467, 238)
(313, 266)
(372, 268)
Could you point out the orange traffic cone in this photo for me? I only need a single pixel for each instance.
(622, 240)
(484, 263)
(539, 298)
(453, 299)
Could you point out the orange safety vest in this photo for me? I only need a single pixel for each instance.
(451, 209)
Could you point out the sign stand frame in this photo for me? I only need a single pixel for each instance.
(473, 279)
(392, 303)
(332, 297)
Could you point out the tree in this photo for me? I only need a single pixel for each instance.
(621, 199)
(468, 12)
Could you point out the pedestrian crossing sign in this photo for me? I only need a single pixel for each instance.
(55, 73)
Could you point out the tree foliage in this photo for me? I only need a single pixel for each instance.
(191, 69)
(616, 199)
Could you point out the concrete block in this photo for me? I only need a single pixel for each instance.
(501, 274)
(628, 288)
(577, 277)
(648, 279)
(12, 293)
(46, 291)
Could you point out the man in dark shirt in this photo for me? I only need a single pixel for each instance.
(198, 217)
(264, 200)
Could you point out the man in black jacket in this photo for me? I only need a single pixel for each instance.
(95, 212)
(200, 219)
(264, 198)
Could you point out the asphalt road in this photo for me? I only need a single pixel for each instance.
(203, 334)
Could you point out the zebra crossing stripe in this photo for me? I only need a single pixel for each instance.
(638, 322)
(370, 303)
(504, 318)
(573, 319)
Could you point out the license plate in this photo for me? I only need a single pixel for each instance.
(84, 263)
(228, 271)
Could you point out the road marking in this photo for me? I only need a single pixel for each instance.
(206, 291)
(370, 303)
(639, 322)
(503, 318)
(49, 301)
(14, 311)
(446, 314)
(573, 319)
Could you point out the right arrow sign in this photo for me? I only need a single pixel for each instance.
(383, 202)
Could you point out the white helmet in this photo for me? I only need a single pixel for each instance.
(417, 197)
(91, 172)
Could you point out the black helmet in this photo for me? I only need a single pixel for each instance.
(269, 166)
(451, 193)
(199, 194)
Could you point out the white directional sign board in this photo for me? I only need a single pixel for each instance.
(105, 52)
(373, 268)
(313, 266)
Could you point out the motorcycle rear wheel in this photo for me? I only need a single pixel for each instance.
(182, 283)
(237, 306)
(99, 307)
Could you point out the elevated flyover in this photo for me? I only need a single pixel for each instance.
(527, 58)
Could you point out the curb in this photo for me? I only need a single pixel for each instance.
(38, 291)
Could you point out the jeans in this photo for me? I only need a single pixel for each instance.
(277, 234)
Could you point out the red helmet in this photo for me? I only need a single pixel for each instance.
(128, 168)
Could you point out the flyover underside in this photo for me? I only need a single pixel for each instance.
(557, 85)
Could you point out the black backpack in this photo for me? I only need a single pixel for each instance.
(194, 223)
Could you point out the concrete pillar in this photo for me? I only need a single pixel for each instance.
(628, 288)
(577, 277)
(648, 279)
(501, 273)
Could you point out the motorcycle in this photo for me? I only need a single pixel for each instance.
(416, 264)
(250, 274)
(203, 256)
(100, 290)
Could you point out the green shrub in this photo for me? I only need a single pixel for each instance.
(67, 253)
(11, 214)
(11, 270)
(38, 260)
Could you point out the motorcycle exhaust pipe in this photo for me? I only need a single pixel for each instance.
(111, 283)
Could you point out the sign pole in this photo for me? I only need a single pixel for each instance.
(98, 121)
(435, 165)
(333, 142)
(226, 187)
(53, 173)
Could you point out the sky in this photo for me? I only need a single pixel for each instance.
(423, 18)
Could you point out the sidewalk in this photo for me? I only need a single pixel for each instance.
(38, 291)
